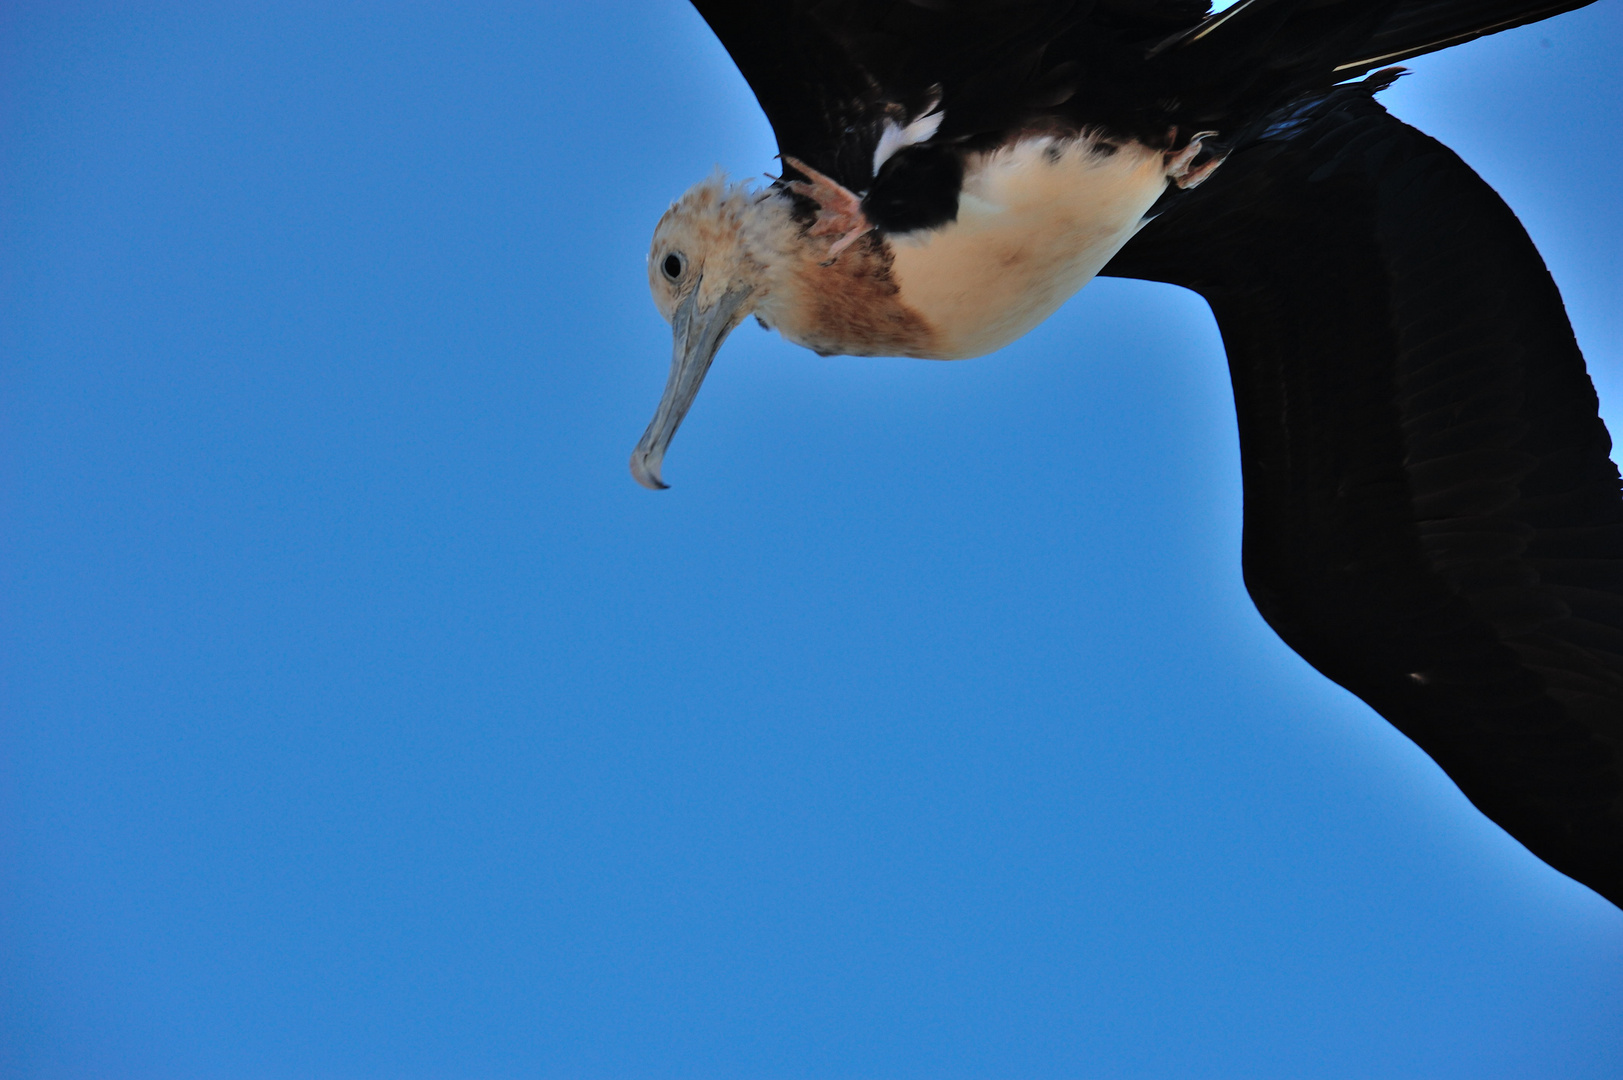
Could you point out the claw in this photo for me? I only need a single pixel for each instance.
(1178, 164)
(839, 210)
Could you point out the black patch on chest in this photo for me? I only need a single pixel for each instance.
(916, 189)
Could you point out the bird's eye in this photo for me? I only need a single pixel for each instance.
(673, 266)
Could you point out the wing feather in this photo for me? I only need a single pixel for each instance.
(829, 74)
(1432, 518)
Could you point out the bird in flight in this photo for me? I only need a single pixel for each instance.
(1432, 518)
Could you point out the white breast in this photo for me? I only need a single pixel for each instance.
(1036, 221)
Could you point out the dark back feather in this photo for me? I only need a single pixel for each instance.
(829, 72)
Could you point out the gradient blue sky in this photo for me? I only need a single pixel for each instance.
(363, 719)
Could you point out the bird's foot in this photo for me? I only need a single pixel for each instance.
(839, 210)
(1181, 165)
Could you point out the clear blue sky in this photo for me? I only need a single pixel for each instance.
(363, 718)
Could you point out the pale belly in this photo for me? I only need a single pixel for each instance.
(1036, 221)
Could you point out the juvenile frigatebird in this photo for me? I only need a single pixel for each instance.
(1432, 519)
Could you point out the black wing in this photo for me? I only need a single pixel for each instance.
(829, 72)
(1431, 516)
(1423, 26)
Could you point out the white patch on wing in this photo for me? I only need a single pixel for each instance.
(895, 138)
(1036, 221)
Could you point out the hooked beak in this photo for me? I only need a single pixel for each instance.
(696, 334)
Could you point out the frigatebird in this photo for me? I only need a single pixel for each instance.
(1432, 519)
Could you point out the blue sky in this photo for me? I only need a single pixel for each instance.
(362, 717)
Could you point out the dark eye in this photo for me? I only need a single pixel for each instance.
(673, 265)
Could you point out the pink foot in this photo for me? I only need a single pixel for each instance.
(1178, 164)
(839, 210)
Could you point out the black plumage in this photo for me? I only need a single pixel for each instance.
(830, 73)
(1431, 516)
(916, 189)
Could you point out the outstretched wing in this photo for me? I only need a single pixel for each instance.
(829, 73)
(1431, 516)
(1422, 26)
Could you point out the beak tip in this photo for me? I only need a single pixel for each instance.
(646, 472)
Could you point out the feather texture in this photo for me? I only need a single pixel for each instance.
(1431, 515)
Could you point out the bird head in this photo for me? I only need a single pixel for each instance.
(705, 279)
